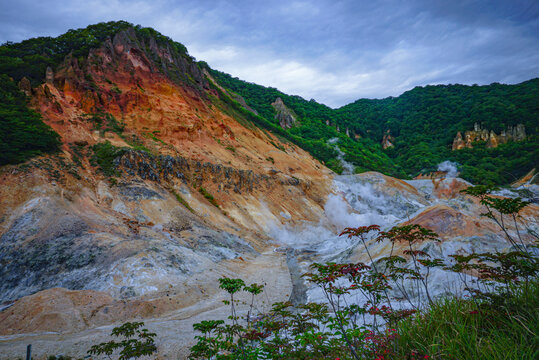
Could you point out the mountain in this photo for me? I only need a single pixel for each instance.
(29, 60)
(425, 120)
(150, 149)
(133, 177)
(414, 119)
(423, 123)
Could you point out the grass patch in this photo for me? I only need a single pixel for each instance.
(105, 122)
(231, 148)
(182, 201)
(104, 155)
(115, 89)
(136, 143)
(280, 147)
(208, 196)
(455, 329)
(155, 138)
(78, 152)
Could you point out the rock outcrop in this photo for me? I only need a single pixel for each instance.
(163, 168)
(387, 140)
(431, 175)
(49, 75)
(516, 133)
(458, 142)
(25, 86)
(284, 115)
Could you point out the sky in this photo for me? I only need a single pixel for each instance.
(332, 51)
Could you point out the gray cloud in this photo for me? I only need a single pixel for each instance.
(332, 51)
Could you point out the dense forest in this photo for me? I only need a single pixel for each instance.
(425, 120)
(22, 131)
(422, 121)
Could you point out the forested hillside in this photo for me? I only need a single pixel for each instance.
(423, 123)
(425, 120)
(365, 153)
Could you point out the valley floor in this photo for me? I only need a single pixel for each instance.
(174, 330)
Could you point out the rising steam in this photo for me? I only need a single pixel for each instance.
(449, 167)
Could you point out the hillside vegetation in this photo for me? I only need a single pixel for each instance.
(425, 120)
(422, 121)
(22, 131)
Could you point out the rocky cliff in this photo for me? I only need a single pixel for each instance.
(284, 115)
(517, 133)
(186, 189)
(387, 140)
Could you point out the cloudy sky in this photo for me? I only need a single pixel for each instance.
(332, 51)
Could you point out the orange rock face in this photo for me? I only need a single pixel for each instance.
(56, 308)
(517, 133)
(449, 223)
(170, 118)
(147, 234)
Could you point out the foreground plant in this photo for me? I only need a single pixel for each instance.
(500, 318)
(350, 325)
(360, 319)
(453, 328)
(495, 274)
(137, 342)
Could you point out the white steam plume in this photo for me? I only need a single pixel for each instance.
(348, 168)
(449, 167)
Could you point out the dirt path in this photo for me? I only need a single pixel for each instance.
(299, 290)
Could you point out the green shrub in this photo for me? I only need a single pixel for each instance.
(23, 134)
(136, 343)
(182, 201)
(106, 122)
(104, 155)
(208, 196)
